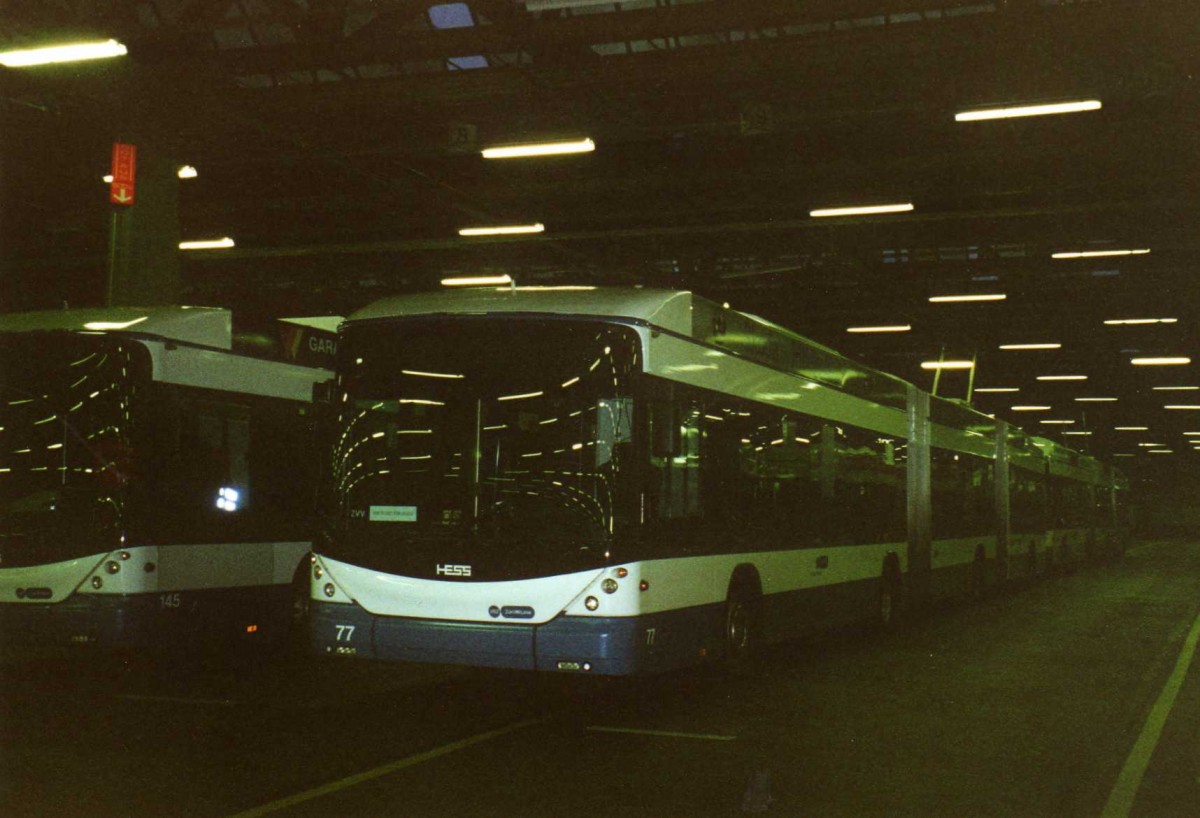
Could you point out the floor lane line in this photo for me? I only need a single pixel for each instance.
(663, 733)
(385, 769)
(134, 697)
(1120, 800)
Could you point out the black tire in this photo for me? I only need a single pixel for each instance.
(741, 619)
(739, 626)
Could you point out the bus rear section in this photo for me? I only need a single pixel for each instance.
(481, 473)
(155, 488)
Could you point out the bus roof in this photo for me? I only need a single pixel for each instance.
(200, 326)
(687, 314)
(668, 309)
(204, 326)
(677, 311)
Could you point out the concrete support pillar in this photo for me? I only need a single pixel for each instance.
(143, 265)
(919, 478)
(1003, 502)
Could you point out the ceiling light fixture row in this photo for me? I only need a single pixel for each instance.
(112, 48)
(183, 172)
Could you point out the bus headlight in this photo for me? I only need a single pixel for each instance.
(591, 603)
(112, 566)
(329, 589)
(609, 586)
(318, 571)
(97, 583)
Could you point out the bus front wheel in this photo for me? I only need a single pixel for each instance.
(741, 621)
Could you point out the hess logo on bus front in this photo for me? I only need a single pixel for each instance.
(453, 570)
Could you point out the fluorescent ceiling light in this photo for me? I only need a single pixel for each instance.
(1181, 406)
(1152, 445)
(1095, 400)
(998, 389)
(868, 210)
(1075, 432)
(1031, 346)
(503, 230)
(207, 244)
(946, 299)
(70, 52)
(1165, 361)
(1176, 388)
(1015, 111)
(1131, 428)
(1191, 434)
(884, 328)
(418, 374)
(546, 5)
(562, 288)
(476, 281)
(1100, 253)
(1058, 422)
(1030, 408)
(114, 324)
(1062, 377)
(1161, 451)
(1113, 322)
(947, 364)
(107, 178)
(521, 396)
(539, 149)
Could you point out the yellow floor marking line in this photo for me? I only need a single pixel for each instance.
(134, 697)
(1120, 800)
(663, 733)
(386, 769)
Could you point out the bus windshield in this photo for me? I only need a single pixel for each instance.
(500, 445)
(64, 444)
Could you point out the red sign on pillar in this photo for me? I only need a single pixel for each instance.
(124, 167)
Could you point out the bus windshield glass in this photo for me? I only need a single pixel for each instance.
(502, 445)
(65, 455)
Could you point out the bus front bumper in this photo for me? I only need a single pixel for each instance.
(610, 646)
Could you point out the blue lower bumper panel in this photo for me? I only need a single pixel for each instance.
(606, 646)
(182, 619)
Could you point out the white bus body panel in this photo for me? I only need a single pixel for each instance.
(388, 595)
(226, 372)
(202, 567)
(173, 568)
(62, 578)
(688, 582)
(681, 582)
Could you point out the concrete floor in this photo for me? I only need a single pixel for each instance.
(1030, 703)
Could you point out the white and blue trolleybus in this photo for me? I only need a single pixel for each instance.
(622, 481)
(156, 478)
